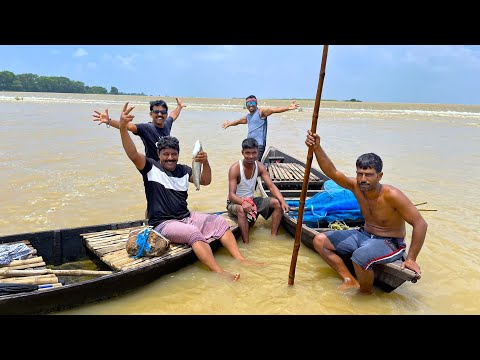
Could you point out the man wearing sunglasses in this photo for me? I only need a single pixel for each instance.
(161, 124)
(166, 190)
(256, 121)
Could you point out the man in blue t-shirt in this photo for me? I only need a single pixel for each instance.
(166, 189)
(161, 124)
(256, 121)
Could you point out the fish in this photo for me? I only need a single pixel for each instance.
(196, 166)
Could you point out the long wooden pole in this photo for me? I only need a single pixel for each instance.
(298, 230)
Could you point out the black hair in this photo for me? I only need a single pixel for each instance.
(158, 103)
(251, 96)
(370, 161)
(168, 142)
(249, 143)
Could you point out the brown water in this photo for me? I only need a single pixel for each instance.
(59, 169)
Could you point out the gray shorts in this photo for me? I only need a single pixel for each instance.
(366, 249)
(263, 206)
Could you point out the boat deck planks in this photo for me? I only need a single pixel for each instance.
(289, 172)
(110, 247)
(32, 262)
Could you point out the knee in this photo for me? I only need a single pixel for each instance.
(319, 241)
(275, 204)
(240, 213)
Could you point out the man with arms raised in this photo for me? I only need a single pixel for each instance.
(385, 209)
(256, 121)
(242, 177)
(161, 124)
(166, 190)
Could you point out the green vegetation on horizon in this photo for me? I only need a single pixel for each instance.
(59, 84)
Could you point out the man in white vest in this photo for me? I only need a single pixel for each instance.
(241, 202)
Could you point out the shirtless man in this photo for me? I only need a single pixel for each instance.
(385, 209)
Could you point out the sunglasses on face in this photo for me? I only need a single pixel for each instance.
(163, 112)
(251, 103)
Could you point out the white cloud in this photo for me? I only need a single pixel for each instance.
(80, 52)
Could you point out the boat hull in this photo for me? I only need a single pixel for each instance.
(61, 246)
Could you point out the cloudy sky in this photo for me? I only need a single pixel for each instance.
(377, 73)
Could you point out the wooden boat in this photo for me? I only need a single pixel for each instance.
(287, 174)
(101, 247)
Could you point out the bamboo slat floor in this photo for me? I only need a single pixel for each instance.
(32, 262)
(110, 247)
(289, 172)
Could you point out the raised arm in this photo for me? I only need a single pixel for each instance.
(227, 123)
(128, 145)
(326, 164)
(175, 113)
(102, 118)
(262, 171)
(269, 111)
(411, 215)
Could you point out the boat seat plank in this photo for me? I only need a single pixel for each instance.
(110, 247)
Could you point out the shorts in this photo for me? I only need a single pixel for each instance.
(366, 249)
(263, 207)
(196, 227)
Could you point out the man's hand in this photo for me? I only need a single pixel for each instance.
(293, 105)
(412, 265)
(179, 103)
(201, 157)
(225, 124)
(102, 118)
(312, 139)
(125, 116)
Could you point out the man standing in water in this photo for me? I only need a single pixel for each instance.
(256, 121)
(161, 124)
(166, 190)
(242, 177)
(385, 209)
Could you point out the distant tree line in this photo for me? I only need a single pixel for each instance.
(59, 84)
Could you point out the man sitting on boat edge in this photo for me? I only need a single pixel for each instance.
(242, 177)
(166, 190)
(385, 209)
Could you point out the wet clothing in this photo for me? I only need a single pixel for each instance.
(366, 249)
(196, 227)
(166, 191)
(149, 133)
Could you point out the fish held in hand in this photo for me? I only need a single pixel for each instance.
(196, 166)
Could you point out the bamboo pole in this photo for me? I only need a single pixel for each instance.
(298, 230)
(68, 272)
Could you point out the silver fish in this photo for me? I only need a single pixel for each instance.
(196, 166)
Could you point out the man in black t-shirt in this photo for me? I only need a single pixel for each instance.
(166, 189)
(161, 124)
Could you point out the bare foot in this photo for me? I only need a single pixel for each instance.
(349, 284)
(230, 276)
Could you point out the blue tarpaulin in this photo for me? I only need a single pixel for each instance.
(335, 203)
